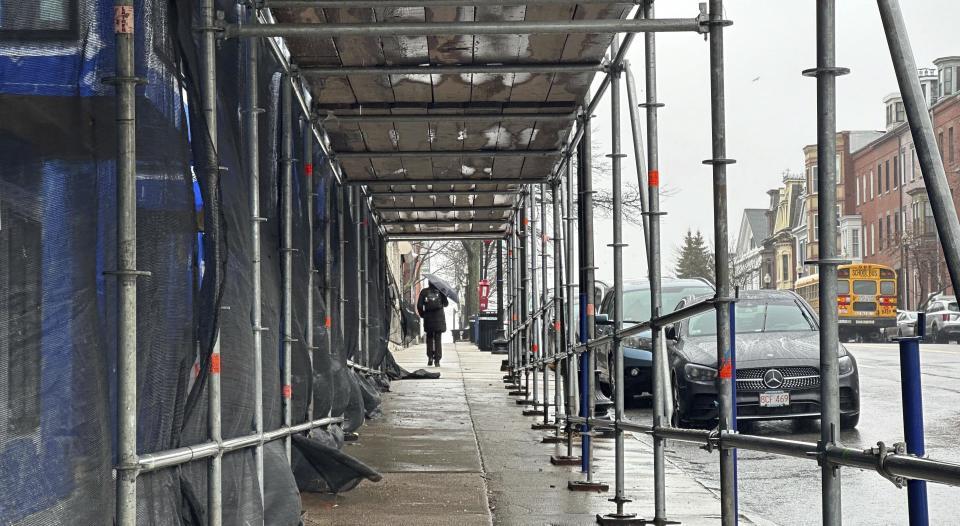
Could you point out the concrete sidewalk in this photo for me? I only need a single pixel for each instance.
(458, 451)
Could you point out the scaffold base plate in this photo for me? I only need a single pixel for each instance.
(540, 426)
(626, 518)
(511, 387)
(517, 393)
(563, 460)
(532, 412)
(526, 402)
(582, 485)
(351, 437)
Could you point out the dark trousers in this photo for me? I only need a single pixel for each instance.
(434, 351)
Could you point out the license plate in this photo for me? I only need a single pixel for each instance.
(774, 399)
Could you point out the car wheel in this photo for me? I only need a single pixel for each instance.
(606, 388)
(849, 421)
(676, 419)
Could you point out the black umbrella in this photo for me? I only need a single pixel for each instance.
(443, 286)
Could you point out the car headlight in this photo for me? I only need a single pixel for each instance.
(846, 365)
(699, 373)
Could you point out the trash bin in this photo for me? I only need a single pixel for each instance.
(474, 330)
(487, 327)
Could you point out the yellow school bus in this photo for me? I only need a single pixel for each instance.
(866, 299)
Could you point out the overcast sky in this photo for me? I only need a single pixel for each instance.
(771, 108)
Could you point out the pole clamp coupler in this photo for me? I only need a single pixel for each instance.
(881, 452)
(713, 441)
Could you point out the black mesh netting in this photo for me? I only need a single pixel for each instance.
(58, 308)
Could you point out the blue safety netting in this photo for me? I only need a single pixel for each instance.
(58, 310)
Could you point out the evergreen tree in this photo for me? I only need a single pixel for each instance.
(694, 258)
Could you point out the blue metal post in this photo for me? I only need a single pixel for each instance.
(913, 420)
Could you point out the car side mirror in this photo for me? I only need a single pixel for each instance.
(671, 332)
(602, 319)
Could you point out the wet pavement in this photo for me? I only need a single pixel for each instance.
(458, 451)
(786, 490)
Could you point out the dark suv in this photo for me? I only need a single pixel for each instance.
(637, 356)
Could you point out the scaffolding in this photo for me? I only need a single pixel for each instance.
(416, 170)
(544, 332)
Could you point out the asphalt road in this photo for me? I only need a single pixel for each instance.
(786, 490)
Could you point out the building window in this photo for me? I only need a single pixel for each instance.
(896, 224)
(858, 191)
(900, 114)
(896, 173)
(940, 144)
(816, 228)
(785, 267)
(890, 236)
(886, 177)
(38, 19)
(855, 243)
(879, 178)
(913, 164)
(947, 81)
(870, 178)
(950, 144)
(880, 234)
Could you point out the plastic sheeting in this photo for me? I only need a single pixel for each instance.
(58, 307)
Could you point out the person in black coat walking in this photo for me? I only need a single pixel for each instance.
(430, 307)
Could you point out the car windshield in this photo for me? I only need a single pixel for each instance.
(636, 303)
(755, 317)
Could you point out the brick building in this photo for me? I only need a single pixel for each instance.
(889, 195)
(849, 237)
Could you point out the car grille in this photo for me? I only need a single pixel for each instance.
(793, 378)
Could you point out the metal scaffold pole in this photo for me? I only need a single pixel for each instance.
(208, 104)
(514, 306)
(570, 329)
(545, 348)
(251, 121)
(286, 198)
(638, 153)
(719, 162)
(921, 129)
(330, 187)
(308, 189)
(500, 306)
(358, 254)
(364, 281)
(587, 370)
(534, 328)
(826, 73)
(126, 273)
(342, 213)
(508, 315)
(660, 378)
(558, 339)
(616, 157)
(521, 265)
